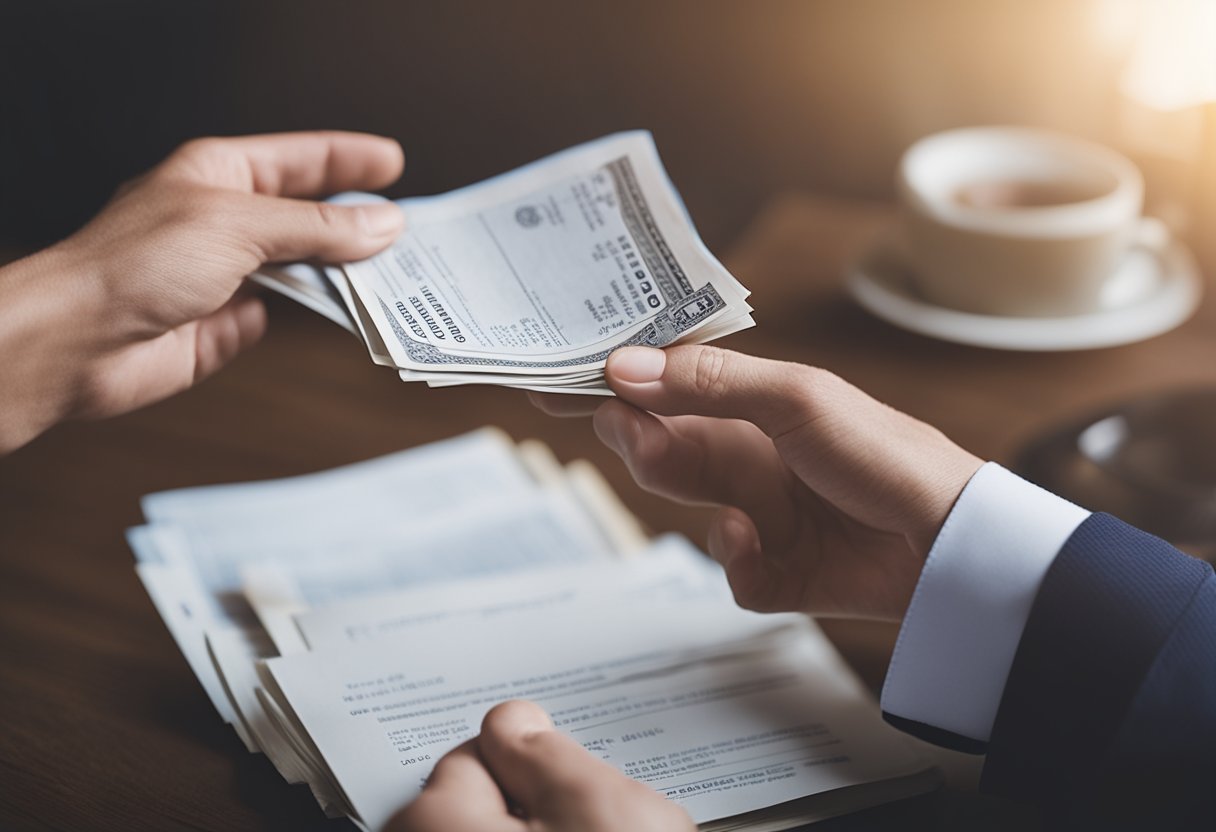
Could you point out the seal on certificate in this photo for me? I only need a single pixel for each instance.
(527, 216)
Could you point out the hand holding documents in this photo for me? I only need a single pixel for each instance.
(532, 278)
(355, 625)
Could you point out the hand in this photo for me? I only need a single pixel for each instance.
(520, 775)
(831, 499)
(145, 300)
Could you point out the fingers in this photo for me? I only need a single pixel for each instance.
(545, 771)
(147, 371)
(246, 187)
(527, 756)
(871, 463)
(562, 406)
(294, 164)
(728, 462)
(732, 535)
(776, 396)
(698, 460)
(559, 786)
(705, 381)
(222, 335)
(460, 796)
(553, 781)
(758, 582)
(289, 229)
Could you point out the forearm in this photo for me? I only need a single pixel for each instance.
(142, 302)
(1108, 717)
(45, 318)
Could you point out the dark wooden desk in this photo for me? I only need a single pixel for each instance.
(102, 725)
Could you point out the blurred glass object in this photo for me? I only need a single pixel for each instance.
(1151, 462)
(1167, 113)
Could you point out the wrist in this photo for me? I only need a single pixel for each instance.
(46, 319)
(965, 622)
(941, 495)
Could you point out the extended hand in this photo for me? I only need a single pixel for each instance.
(831, 499)
(520, 775)
(143, 301)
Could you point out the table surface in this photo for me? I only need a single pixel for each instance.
(105, 727)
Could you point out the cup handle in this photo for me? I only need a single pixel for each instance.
(1151, 233)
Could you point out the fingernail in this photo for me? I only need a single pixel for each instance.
(619, 430)
(725, 534)
(518, 717)
(535, 723)
(381, 220)
(637, 365)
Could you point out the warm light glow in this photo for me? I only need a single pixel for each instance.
(1173, 59)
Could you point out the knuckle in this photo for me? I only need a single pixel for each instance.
(809, 393)
(203, 147)
(204, 212)
(329, 215)
(206, 205)
(709, 372)
(824, 383)
(809, 382)
(208, 159)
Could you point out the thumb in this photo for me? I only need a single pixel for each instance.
(529, 758)
(776, 396)
(559, 785)
(299, 229)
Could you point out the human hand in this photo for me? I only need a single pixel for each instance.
(521, 775)
(145, 300)
(831, 500)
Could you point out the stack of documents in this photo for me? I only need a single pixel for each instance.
(356, 624)
(532, 278)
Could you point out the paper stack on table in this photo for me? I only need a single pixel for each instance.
(356, 624)
(532, 278)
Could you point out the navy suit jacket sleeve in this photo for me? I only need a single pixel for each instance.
(1108, 718)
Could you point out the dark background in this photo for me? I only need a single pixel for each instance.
(102, 725)
(745, 98)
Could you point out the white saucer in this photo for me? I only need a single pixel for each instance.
(1155, 289)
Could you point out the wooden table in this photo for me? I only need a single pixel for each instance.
(102, 725)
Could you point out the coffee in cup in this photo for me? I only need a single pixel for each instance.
(1015, 221)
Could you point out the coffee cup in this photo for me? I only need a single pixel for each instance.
(1015, 221)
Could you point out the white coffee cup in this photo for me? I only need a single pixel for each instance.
(1015, 221)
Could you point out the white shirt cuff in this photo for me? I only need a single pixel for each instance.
(971, 604)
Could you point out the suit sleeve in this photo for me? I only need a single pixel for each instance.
(962, 628)
(1108, 714)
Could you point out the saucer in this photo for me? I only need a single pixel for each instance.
(1155, 289)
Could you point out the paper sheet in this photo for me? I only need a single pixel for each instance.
(530, 529)
(671, 570)
(703, 701)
